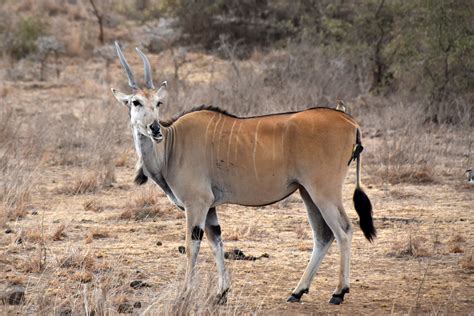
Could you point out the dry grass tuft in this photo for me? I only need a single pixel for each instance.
(32, 235)
(305, 246)
(301, 232)
(96, 233)
(93, 206)
(15, 194)
(31, 264)
(59, 233)
(16, 279)
(410, 246)
(78, 259)
(467, 262)
(454, 244)
(456, 239)
(122, 159)
(200, 299)
(82, 276)
(145, 205)
(455, 249)
(246, 232)
(84, 184)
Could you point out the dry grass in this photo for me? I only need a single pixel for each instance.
(146, 204)
(301, 232)
(93, 205)
(16, 279)
(31, 235)
(411, 245)
(16, 182)
(78, 258)
(96, 233)
(83, 185)
(246, 232)
(467, 261)
(31, 264)
(59, 233)
(82, 276)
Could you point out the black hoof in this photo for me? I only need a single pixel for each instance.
(296, 297)
(293, 299)
(221, 299)
(337, 299)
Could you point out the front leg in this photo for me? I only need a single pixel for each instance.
(213, 234)
(195, 222)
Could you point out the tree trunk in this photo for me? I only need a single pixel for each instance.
(100, 20)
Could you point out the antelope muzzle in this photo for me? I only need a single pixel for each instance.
(155, 130)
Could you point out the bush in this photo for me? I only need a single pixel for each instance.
(24, 36)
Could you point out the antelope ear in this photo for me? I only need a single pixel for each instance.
(162, 93)
(121, 97)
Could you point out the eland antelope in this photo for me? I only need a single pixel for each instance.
(207, 157)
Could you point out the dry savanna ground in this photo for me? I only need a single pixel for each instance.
(76, 232)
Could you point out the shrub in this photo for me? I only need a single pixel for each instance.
(24, 36)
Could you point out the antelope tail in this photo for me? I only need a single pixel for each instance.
(361, 200)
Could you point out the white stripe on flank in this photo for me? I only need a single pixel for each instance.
(220, 139)
(207, 129)
(230, 142)
(255, 150)
(238, 140)
(213, 143)
(273, 142)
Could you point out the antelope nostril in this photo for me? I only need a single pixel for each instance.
(155, 127)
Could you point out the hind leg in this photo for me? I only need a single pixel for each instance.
(336, 218)
(322, 240)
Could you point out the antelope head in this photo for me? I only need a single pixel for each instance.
(144, 103)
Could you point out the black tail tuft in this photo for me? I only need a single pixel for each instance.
(364, 209)
(140, 177)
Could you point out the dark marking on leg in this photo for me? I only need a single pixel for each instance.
(348, 228)
(197, 233)
(296, 297)
(222, 298)
(337, 299)
(216, 231)
(140, 177)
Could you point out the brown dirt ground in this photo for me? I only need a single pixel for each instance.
(437, 218)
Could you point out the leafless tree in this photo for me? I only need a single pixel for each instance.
(100, 20)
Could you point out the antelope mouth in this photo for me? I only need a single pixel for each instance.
(157, 138)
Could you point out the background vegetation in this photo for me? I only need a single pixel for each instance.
(419, 49)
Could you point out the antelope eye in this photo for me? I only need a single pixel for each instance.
(158, 104)
(136, 103)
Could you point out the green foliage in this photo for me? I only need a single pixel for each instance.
(24, 35)
(449, 48)
(422, 47)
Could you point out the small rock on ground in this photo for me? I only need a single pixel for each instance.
(139, 284)
(65, 312)
(14, 296)
(125, 308)
(237, 254)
